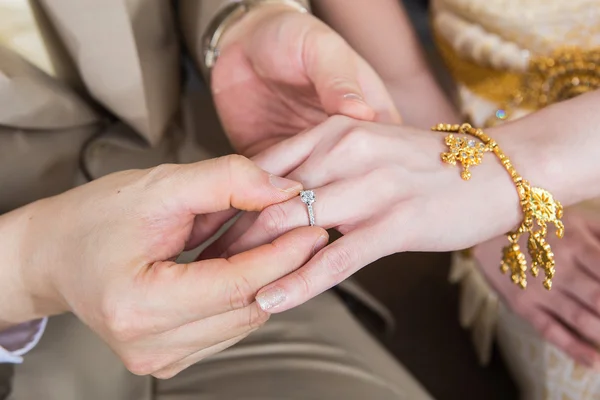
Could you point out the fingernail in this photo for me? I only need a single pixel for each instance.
(320, 243)
(285, 185)
(354, 96)
(271, 298)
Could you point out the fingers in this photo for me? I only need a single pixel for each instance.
(219, 249)
(175, 368)
(185, 293)
(339, 205)
(553, 331)
(582, 287)
(190, 343)
(169, 352)
(285, 156)
(329, 267)
(206, 225)
(588, 254)
(577, 316)
(219, 184)
(331, 65)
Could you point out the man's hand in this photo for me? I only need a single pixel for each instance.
(106, 252)
(281, 71)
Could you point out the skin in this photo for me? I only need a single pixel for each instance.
(396, 195)
(381, 32)
(280, 72)
(105, 251)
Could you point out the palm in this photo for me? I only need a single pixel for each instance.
(287, 73)
(258, 111)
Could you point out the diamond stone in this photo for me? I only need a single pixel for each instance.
(307, 197)
(471, 143)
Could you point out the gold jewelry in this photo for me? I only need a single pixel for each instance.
(539, 206)
(561, 75)
(226, 18)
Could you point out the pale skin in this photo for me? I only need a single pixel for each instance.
(105, 251)
(396, 195)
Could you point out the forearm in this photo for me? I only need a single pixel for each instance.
(558, 148)
(382, 33)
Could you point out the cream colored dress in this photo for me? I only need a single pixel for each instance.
(491, 46)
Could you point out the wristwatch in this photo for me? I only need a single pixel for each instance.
(229, 15)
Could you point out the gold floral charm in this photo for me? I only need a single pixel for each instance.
(465, 151)
(545, 209)
(539, 207)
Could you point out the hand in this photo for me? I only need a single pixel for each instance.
(106, 252)
(385, 188)
(569, 315)
(280, 72)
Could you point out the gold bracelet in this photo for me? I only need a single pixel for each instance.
(539, 206)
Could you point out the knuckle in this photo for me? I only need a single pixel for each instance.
(236, 162)
(140, 365)
(160, 173)
(304, 283)
(273, 220)
(256, 318)
(240, 292)
(337, 261)
(356, 143)
(123, 324)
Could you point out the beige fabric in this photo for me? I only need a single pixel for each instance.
(25, 29)
(33, 100)
(128, 56)
(317, 351)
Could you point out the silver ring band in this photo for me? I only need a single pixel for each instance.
(308, 197)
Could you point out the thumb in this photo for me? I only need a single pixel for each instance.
(222, 183)
(331, 65)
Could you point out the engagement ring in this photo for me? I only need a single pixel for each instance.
(308, 198)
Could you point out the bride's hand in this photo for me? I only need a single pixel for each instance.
(385, 188)
(569, 315)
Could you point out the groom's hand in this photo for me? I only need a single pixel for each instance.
(281, 71)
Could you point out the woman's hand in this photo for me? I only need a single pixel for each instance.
(280, 71)
(106, 252)
(568, 315)
(385, 188)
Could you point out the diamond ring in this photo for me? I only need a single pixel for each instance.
(308, 197)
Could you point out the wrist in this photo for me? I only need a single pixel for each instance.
(24, 280)
(259, 12)
(555, 151)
